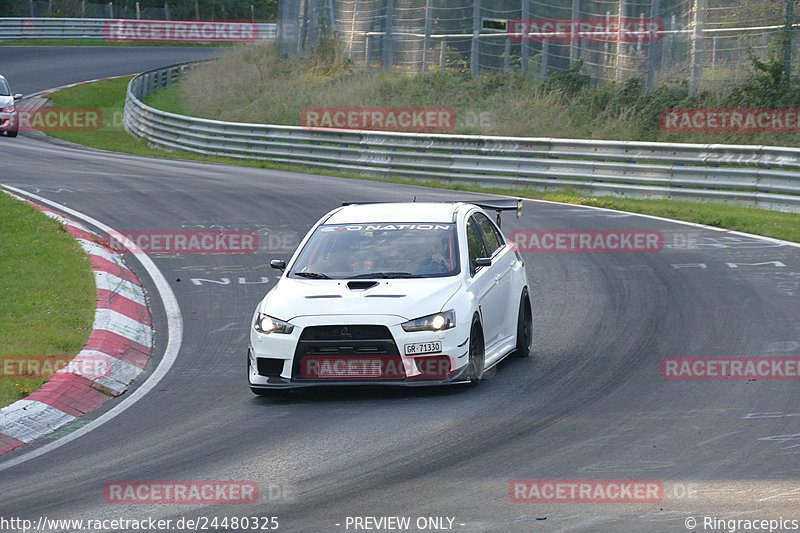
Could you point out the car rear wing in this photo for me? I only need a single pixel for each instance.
(500, 205)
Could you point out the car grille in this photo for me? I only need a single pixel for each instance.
(369, 350)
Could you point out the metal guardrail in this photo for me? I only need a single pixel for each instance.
(759, 176)
(16, 29)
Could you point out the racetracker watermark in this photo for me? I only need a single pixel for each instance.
(585, 491)
(183, 31)
(365, 367)
(731, 120)
(59, 119)
(380, 118)
(588, 241)
(186, 242)
(181, 492)
(730, 368)
(43, 367)
(611, 30)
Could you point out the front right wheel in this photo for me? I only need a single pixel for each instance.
(477, 353)
(524, 327)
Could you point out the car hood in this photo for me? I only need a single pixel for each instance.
(6, 101)
(405, 298)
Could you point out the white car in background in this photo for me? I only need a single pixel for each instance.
(395, 294)
(9, 116)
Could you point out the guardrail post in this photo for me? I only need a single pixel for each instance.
(367, 51)
(388, 39)
(426, 42)
(523, 43)
(653, 49)
(787, 43)
(574, 42)
(698, 23)
(545, 57)
(475, 52)
(443, 55)
(620, 50)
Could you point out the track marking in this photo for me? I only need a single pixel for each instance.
(174, 337)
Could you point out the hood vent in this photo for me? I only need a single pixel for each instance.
(361, 285)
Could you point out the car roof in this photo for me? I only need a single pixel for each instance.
(408, 212)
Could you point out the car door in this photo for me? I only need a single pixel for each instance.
(483, 283)
(501, 299)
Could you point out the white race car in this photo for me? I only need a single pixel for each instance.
(9, 115)
(400, 294)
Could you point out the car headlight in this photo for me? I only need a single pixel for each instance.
(266, 324)
(435, 322)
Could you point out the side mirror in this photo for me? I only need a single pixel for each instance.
(280, 264)
(482, 261)
(479, 262)
(18, 96)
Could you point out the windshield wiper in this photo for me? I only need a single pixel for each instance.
(312, 275)
(387, 275)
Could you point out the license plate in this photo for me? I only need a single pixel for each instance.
(419, 348)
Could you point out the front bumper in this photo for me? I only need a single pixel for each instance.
(375, 352)
(277, 382)
(9, 120)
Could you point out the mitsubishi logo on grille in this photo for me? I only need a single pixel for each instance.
(345, 333)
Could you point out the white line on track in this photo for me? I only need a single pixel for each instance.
(174, 338)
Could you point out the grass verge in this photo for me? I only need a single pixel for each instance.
(47, 296)
(110, 94)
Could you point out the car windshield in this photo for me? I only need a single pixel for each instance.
(4, 90)
(380, 250)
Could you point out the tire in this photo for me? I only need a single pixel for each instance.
(524, 327)
(477, 353)
(12, 133)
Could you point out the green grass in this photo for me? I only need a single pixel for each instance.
(47, 291)
(110, 94)
(168, 98)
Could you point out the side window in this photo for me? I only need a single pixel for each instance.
(491, 236)
(475, 246)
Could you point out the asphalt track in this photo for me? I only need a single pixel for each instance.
(590, 404)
